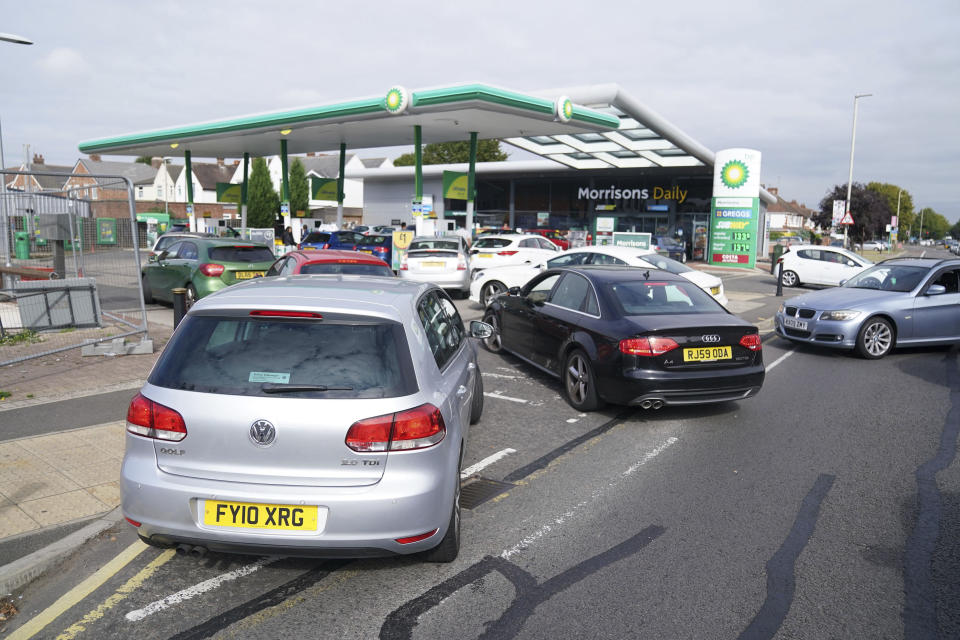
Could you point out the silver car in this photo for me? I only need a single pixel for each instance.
(898, 302)
(307, 415)
(444, 261)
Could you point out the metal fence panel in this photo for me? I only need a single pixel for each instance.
(86, 270)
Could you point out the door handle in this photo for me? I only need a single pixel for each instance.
(461, 390)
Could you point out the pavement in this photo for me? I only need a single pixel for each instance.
(60, 462)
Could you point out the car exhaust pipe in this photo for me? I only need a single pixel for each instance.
(198, 552)
(183, 549)
(646, 404)
(657, 404)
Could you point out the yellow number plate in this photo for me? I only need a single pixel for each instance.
(247, 275)
(433, 264)
(484, 255)
(247, 515)
(706, 354)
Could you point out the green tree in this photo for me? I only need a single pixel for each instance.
(452, 152)
(869, 209)
(299, 189)
(935, 226)
(955, 230)
(890, 193)
(263, 203)
(144, 160)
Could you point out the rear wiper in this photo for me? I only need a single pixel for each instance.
(273, 387)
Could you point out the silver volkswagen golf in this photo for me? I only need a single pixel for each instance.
(307, 415)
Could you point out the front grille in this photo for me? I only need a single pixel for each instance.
(803, 313)
(796, 333)
(791, 311)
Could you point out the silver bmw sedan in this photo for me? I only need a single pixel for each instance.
(307, 415)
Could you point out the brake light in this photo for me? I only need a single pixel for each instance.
(651, 346)
(152, 420)
(326, 245)
(211, 269)
(415, 428)
(299, 245)
(422, 536)
(506, 253)
(269, 313)
(403, 264)
(751, 341)
(461, 264)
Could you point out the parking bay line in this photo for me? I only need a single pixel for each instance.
(486, 462)
(780, 359)
(500, 397)
(79, 592)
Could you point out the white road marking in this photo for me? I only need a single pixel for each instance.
(780, 359)
(196, 590)
(500, 375)
(486, 462)
(547, 528)
(496, 394)
(571, 420)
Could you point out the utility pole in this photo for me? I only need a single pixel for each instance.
(853, 140)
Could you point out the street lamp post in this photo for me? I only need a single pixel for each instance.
(853, 140)
(5, 235)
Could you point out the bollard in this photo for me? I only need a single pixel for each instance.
(179, 305)
(779, 279)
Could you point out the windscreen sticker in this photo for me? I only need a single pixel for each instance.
(267, 376)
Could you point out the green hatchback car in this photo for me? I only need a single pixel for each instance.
(202, 266)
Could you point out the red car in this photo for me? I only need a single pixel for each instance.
(329, 261)
(554, 236)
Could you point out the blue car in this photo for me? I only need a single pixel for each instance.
(898, 302)
(342, 240)
(378, 245)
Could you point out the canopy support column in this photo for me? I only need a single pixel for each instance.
(340, 194)
(243, 190)
(284, 184)
(471, 181)
(188, 176)
(418, 158)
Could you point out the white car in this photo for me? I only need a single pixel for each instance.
(814, 264)
(443, 261)
(488, 283)
(509, 249)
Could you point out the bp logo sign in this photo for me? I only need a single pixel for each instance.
(734, 174)
(564, 109)
(397, 100)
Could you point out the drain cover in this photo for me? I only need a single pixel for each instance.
(478, 490)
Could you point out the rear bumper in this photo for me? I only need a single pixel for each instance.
(411, 498)
(458, 280)
(682, 388)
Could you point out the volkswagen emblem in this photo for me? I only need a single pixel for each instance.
(262, 433)
(710, 338)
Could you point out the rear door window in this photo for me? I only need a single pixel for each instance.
(241, 254)
(572, 292)
(353, 356)
(492, 243)
(444, 332)
(316, 238)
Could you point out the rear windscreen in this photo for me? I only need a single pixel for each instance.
(492, 243)
(239, 355)
(640, 297)
(316, 237)
(426, 245)
(368, 240)
(241, 254)
(348, 268)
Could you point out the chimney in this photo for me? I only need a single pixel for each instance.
(773, 190)
(219, 162)
(95, 157)
(236, 163)
(37, 158)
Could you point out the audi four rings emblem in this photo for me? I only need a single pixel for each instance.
(710, 338)
(262, 433)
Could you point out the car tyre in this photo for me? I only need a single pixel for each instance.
(493, 344)
(490, 290)
(875, 339)
(476, 407)
(147, 292)
(579, 383)
(789, 279)
(449, 547)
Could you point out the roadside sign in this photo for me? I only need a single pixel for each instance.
(847, 219)
(839, 206)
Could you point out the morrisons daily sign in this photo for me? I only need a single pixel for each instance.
(617, 193)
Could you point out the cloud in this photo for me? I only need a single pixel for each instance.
(63, 61)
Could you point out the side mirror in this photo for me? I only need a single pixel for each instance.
(851, 263)
(936, 290)
(152, 258)
(163, 255)
(480, 329)
(514, 291)
(842, 282)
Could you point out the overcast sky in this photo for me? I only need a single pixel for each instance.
(776, 78)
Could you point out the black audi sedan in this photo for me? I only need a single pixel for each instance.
(629, 336)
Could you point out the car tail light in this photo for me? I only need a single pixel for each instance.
(461, 264)
(751, 341)
(211, 269)
(416, 428)
(152, 420)
(133, 522)
(403, 264)
(299, 245)
(507, 253)
(326, 245)
(651, 346)
(422, 536)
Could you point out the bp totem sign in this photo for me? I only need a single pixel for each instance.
(735, 208)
